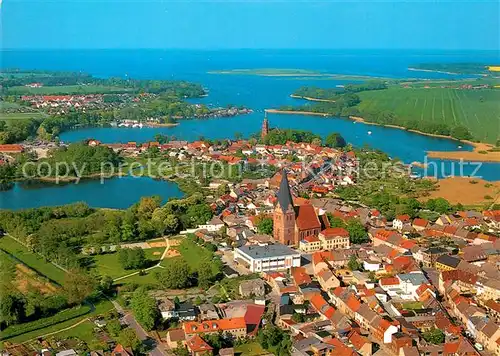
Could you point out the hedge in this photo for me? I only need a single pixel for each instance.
(65, 315)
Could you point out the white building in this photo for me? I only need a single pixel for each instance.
(213, 225)
(267, 258)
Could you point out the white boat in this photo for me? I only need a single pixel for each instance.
(369, 132)
(459, 146)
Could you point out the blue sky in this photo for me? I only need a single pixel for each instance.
(220, 24)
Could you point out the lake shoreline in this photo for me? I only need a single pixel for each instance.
(294, 112)
(480, 153)
(311, 99)
(474, 155)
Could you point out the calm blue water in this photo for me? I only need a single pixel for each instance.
(115, 193)
(255, 92)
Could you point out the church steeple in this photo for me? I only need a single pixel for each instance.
(284, 195)
(265, 127)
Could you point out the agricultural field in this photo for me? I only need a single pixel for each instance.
(475, 109)
(12, 117)
(31, 259)
(67, 89)
(109, 265)
(22, 278)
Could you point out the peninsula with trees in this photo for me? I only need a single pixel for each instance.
(43, 104)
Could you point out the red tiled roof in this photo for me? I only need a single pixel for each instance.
(310, 238)
(300, 276)
(334, 232)
(389, 281)
(307, 218)
(403, 218)
(353, 303)
(357, 340)
(191, 327)
(420, 222)
(11, 148)
(197, 344)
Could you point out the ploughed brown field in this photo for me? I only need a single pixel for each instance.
(467, 191)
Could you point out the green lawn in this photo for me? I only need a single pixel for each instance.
(32, 260)
(477, 110)
(108, 264)
(250, 349)
(413, 305)
(193, 253)
(67, 89)
(146, 280)
(84, 332)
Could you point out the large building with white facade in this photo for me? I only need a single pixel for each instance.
(276, 257)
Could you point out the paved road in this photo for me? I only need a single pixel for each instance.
(128, 319)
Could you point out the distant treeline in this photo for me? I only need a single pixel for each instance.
(13, 78)
(336, 93)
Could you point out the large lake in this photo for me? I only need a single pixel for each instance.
(255, 92)
(117, 193)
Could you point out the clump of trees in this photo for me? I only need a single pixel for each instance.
(282, 136)
(275, 339)
(132, 258)
(179, 274)
(264, 225)
(145, 308)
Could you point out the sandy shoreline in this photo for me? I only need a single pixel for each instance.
(475, 155)
(311, 99)
(293, 112)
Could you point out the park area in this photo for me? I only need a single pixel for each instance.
(475, 109)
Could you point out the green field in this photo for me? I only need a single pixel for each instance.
(477, 110)
(193, 253)
(250, 349)
(12, 117)
(67, 89)
(31, 259)
(108, 264)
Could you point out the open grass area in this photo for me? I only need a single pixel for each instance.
(147, 279)
(413, 305)
(31, 259)
(475, 109)
(12, 117)
(85, 332)
(67, 89)
(193, 253)
(250, 349)
(109, 265)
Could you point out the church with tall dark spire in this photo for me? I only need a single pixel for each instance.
(265, 127)
(291, 222)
